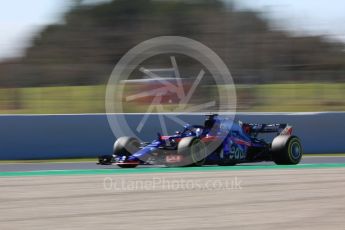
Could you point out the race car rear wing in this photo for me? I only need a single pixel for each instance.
(281, 129)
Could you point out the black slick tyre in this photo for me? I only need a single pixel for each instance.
(286, 150)
(126, 146)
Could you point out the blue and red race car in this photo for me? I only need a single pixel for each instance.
(218, 141)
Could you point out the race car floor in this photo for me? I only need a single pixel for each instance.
(270, 199)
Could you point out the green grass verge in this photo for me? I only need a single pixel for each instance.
(256, 98)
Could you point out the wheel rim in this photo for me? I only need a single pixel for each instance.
(295, 150)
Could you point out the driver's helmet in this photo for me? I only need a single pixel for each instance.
(198, 132)
(187, 127)
(246, 128)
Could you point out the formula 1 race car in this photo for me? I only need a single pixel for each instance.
(219, 141)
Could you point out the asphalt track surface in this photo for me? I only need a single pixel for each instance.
(12, 167)
(253, 196)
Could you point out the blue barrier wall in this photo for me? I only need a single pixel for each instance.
(62, 136)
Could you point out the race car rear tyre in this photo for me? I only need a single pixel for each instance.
(126, 146)
(193, 150)
(286, 150)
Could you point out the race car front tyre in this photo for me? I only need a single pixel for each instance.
(193, 151)
(126, 146)
(286, 150)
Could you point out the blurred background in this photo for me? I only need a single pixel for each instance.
(56, 56)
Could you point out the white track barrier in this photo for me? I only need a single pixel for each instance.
(88, 135)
